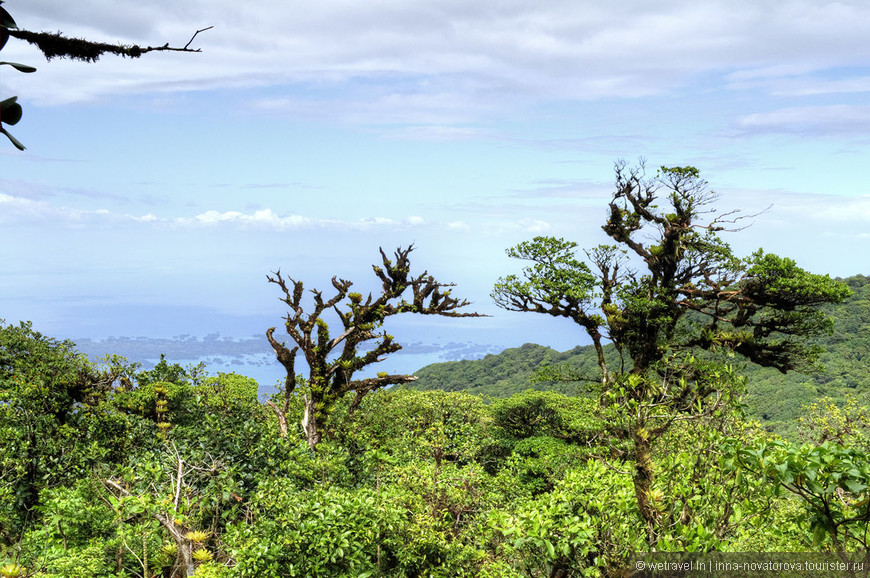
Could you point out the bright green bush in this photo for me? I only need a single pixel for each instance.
(589, 522)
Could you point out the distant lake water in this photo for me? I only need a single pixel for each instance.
(253, 358)
(270, 374)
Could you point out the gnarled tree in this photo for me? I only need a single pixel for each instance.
(667, 294)
(333, 360)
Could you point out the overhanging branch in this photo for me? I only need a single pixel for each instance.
(56, 45)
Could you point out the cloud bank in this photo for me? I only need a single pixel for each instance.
(447, 61)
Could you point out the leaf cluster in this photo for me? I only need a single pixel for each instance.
(831, 480)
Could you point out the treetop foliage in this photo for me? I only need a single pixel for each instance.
(671, 297)
(762, 306)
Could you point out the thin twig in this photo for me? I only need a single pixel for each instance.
(194, 36)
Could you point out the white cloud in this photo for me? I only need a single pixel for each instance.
(262, 218)
(535, 226)
(268, 219)
(849, 209)
(15, 208)
(827, 120)
(28, 213)
(376, 221)
(22, 211)
(440, 61)
(813, 87)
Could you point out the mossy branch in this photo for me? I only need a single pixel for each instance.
(56, 45)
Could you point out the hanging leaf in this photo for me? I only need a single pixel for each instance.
(14, 140)
(10, 111)
(19, 67)
(6, 19)
(11, 115)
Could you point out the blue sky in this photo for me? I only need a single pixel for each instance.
(157, 193)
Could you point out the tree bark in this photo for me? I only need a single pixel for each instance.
(643, 477)
(309, 424)
(183, 566)
(282, 418)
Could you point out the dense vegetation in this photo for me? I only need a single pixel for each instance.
(774, 399)
(111, 471)
(170, 467)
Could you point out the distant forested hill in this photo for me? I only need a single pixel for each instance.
(774, 399)
(506, 373)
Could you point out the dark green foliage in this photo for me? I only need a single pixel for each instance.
(774, 399)
(542, 413)
(528, 415)
(168, 385)
(405, 483)
(51, 406)
(319, 532)
(832, 481)
(537, 464)
(782, 312)
(512, 371)
(63, 376)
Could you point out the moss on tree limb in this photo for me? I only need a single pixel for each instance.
(56, 45)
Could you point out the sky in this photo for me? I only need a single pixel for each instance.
(156, 194)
